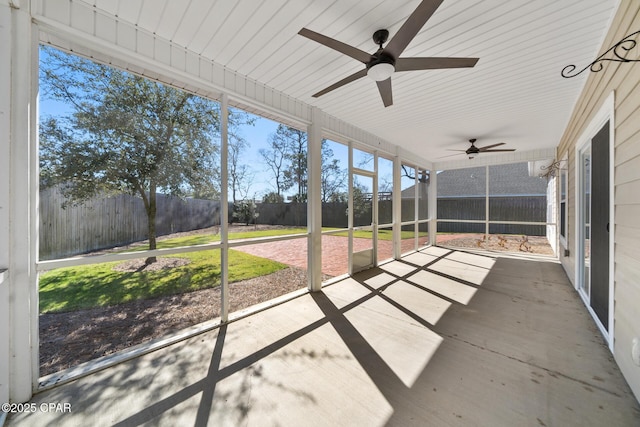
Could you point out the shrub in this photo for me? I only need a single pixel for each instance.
(245, 211)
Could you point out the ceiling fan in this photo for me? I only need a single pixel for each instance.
(473, 151)
(386, 60)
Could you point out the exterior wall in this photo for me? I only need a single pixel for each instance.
(16, 208)
(5, 91)
(624, 80)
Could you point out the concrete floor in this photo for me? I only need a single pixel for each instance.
(439, 338)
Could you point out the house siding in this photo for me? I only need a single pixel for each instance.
(624, 80)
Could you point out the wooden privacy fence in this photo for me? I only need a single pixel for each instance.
(119, 220)
(501, 208)
(334, 214)
(114, 221)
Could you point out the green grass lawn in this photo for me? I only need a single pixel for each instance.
(201, 239)
(97, 285)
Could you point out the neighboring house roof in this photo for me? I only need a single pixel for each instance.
(504, 180)
(510, 179)
(408, 193)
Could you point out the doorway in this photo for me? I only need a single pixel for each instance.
(363, 212)
(594, 237)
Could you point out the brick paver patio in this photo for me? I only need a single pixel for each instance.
(335, 255)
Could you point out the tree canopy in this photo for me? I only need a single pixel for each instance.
(126, 133)
(287, 161)
(333, 178)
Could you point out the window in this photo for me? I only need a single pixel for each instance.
(408, 188)
(517, 201)
(131, 203)
(408, 207)
(423, 194)
(423, 206)
(334, 194)
(508, 214)
(385, 209)
(461, 202)
(363, 160)
(127, 165)
(385, 191)
(563, 204)
(267, 195)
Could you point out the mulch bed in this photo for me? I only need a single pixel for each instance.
(499, 243)
(68, 339)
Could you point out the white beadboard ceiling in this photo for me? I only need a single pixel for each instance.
(515, 93)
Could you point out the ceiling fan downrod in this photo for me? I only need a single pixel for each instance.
(380, 37)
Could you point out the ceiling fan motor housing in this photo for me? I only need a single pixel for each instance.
(473, 150)
(381, 58)
(380, 37)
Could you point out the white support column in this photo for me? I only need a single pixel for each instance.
(22, 282)
(374, 210)
(433, 207)
(397, 208)
(314, 201)
(34, 207)
(486, 201)
(224, 208)
(416, 206)
(350, 210)
(5, 201)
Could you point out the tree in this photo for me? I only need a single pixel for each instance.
(240, 175)
(287, 160)
(423, 180)
(386, 185)
(245, 211)
(296, 173)
(341, 197)
(409, 172)
(125, 134)
(332, 177)
(366, 161)
(361, 204)
(272, 197)
(276, 158)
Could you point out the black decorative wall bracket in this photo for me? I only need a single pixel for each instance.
(618, 52)
(551, 170)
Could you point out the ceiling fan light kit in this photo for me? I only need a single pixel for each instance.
(381, 71)
(380, 65)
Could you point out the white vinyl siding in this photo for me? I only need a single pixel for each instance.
(624, 80)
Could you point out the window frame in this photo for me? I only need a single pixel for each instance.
(563, 199)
